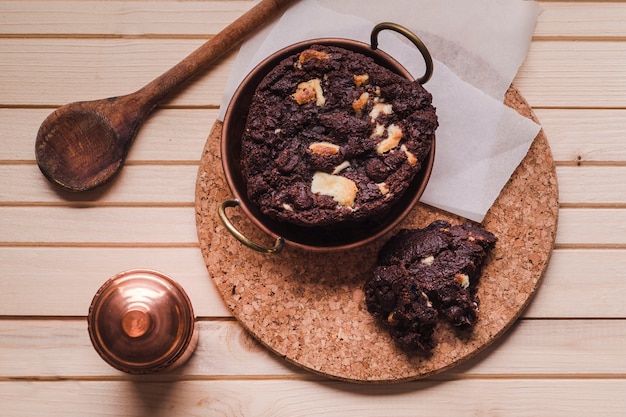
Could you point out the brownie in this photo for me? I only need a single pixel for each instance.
(331, 136)
(426, 275)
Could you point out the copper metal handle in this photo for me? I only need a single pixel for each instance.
(240, 236)
(415, 40)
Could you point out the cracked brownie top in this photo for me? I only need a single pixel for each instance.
(332, 136)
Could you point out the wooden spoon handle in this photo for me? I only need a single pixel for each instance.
(209, 52)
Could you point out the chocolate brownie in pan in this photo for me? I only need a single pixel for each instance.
(331, 136)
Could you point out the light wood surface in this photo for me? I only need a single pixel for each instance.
(564, 357)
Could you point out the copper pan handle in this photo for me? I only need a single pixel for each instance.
(415, 40)
(240, 236)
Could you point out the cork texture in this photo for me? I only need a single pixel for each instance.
(309, 307)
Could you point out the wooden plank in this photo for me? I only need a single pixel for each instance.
(591, 185)
(532, 347)
(555, 348)
(77, 225)
(296, 398)
(52, 72)
(581, 20)
(597, 227)
(582, 283)
(46, 347)
(199, 18)
(574, 74)
(135, 184)
(175, 184)
(80, 18)
(584, 135)
(71, 277)
(55, 281)
(175, 135)
(23, 124)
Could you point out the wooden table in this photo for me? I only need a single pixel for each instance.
(565, 356)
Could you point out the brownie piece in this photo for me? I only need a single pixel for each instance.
(331, 136)
(423, 275)
(395, 298)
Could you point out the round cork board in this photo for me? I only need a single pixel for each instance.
(309, 308)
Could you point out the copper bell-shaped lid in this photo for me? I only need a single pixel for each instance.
(141, 321)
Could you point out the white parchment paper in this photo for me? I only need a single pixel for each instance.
(477, 46)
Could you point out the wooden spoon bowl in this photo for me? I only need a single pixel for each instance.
(79, 146)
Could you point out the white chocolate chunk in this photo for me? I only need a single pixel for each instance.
(382, 187)
(324, 148)
(394, 135)
(309, 54)
(319, 93)
(380, 108)
(359, 104)
(308, 91)
(463, 280)
(412, 159)
(287, 207)
(341, 167)
(379, 130)
(361, 79)
(428, 302)
(428, 260)
(304, 93)
(343, 190)
(395, 131)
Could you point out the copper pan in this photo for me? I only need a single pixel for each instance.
(337, 237)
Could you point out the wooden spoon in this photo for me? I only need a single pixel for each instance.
(83, 145)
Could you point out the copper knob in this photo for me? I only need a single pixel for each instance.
(141, 321)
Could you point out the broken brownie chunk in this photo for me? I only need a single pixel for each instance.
(423, 275)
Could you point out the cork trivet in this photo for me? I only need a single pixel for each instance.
(309, 308)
